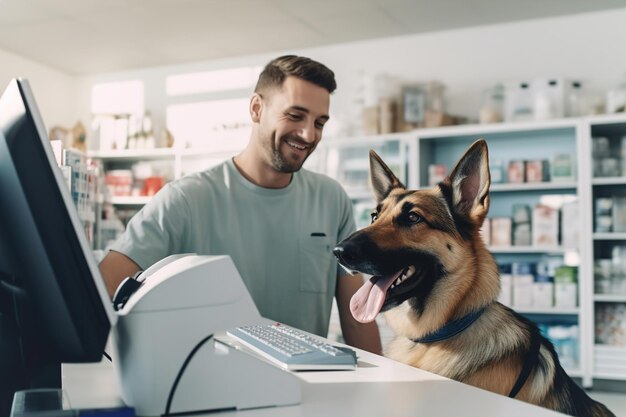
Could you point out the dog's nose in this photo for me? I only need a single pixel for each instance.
(338, 251)
(347, 252)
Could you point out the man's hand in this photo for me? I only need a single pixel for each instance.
(114, 268)
(360, 335)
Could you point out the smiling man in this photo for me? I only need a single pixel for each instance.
(278, 222)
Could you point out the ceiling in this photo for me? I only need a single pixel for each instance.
(95, 36)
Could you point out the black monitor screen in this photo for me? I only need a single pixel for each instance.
(61, 308)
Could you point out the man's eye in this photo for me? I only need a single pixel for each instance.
(374, 216)
(319, 125)
(414, 218)
(294, 116)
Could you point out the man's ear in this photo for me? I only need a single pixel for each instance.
(256, 106)
(469, 181)
(382, 178)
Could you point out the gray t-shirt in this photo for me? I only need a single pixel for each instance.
(280, 240)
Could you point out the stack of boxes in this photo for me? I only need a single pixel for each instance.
(610, 214)
(538, 226)
(545, 284)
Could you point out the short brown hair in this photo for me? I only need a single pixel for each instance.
(275, 72)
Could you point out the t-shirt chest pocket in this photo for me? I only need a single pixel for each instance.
(316, 259)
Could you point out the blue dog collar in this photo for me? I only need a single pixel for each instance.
(451, 328)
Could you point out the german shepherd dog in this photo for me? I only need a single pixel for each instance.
(437, 284)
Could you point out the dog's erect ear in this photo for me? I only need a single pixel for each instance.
(382, 178)
(469, 181)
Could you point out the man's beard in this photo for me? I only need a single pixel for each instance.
(282, 163)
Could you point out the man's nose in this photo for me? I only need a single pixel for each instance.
(309, 133)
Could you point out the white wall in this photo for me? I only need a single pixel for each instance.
(53, 89)
(588, 47)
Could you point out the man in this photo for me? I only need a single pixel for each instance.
(277, 222)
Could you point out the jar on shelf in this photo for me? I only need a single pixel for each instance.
(602, 272)
(616, 99)
(574, 101)
(492, 105)
(434, 97)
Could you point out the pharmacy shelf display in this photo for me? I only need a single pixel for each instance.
(548, 225)
(607, 161)
(534, 189)
(541, 223)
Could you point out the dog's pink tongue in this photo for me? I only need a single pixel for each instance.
(368, 300)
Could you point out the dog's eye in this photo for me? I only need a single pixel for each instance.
(414, 217)
(374, 216)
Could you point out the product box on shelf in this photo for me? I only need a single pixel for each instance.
(619, 214)
(603, 215)
(516, 172)
(521, 225)
(566, 286)
(523, 280)
(562, 168)
(545, 226)
(570, 225)
(543, 291)
(501, 231)
(506, 285)
(436, 173)
(610, 324)
(537, 170)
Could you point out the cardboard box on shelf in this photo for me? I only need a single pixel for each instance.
(537, 170)
(506, 285)
(545, 226)
(501, 231)
(516, 172)
(523, 280)
(566, 286)
(570, 225)
(543, 291)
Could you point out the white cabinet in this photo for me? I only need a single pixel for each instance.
(607, 228)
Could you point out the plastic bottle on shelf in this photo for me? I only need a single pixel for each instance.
(616, 98)
(574, 101)
(492, 105)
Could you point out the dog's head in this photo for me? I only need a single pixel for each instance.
(418, 239)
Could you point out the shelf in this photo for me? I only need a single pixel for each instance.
(609, 361)
(575, 372)
(609, 181)
(610, 298)
(567, 311)
(539, 186)
(360, 194)
(124, 154)
(609, 236)
(130, 201)
(484, 129)
(530, 249)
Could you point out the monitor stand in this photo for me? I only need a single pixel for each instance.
(23, 358)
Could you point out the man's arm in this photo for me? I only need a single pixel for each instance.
(114, 268)
(360, 335)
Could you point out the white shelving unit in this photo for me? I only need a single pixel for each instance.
(608, 361)
(179, 162)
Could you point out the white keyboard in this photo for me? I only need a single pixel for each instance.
(294, 349)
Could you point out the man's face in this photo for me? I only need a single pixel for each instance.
(291, 123)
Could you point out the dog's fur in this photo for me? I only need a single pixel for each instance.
(437, 231)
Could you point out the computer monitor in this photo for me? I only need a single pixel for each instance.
(54, 305)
